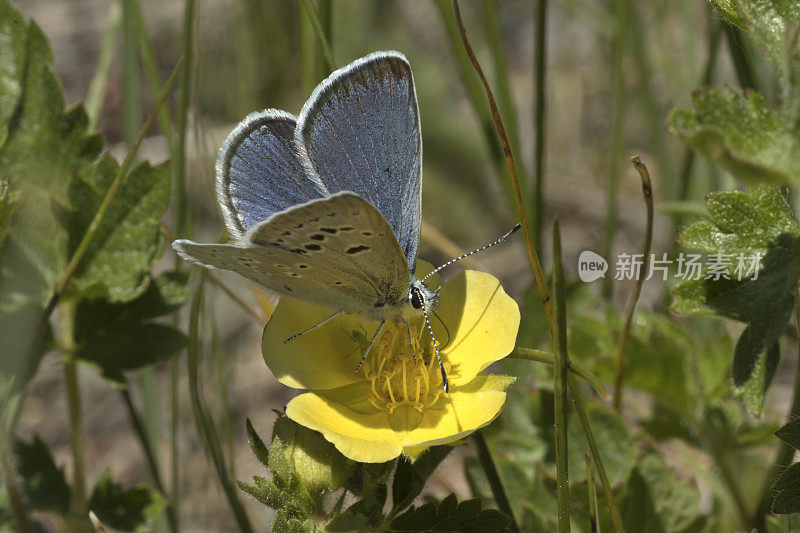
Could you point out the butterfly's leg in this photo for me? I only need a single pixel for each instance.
(371, 342)
(315, 326)
(445, 384)
(410, 342)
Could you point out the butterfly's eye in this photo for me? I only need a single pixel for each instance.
(416, 298)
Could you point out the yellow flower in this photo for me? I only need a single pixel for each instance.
(395, 403)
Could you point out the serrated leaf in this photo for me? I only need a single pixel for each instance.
(284, 524)
(787, 491)
(790, 433)
(771, 23)
(450, 515)
(13, 36)
(129, 238)
(41, 146)
(756, 224)
(656, 355)
(655, 500)
(117, 337)
(264, 491)
(409, 478)
(46, 146)
(127, 510)
(44, 483)
(741, 134)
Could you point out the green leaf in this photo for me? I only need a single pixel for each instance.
(741, 134)
(129, 238)
(13, 37)
(771, 23)
(655, 500)
(46, 146)
(316, 462)
(790, 433)
(284, 524)
(116, 337)
(285, 492)
(41, 146)
(656, 355)
(8, 203)
(257, 445)
(751, 225)
(787, 491)
(409, 478)
(450, 515)
(44, 483)
(126, 510)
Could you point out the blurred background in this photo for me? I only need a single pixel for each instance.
(614, 70)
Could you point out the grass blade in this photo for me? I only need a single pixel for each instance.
(540, 73)
(493, 476)
(560, 387)
(647, 191)
(313, 16)
(102, 71)
(205, 425)
(533, 256)
(476, 98)
(620, 41)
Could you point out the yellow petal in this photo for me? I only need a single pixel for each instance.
(462, 414)
(360, 437)
(482, 320)
(324, 358)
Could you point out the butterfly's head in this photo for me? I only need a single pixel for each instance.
(421, 297)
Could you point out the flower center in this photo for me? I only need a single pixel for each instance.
(400, 374)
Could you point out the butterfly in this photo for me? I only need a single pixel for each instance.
(327, 206)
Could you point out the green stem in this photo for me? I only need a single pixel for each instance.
(560, 387)
(647, 191)
(620, 40)
(580, 408)
(493, 476)
(327, 54)
(204, 422)
(547, 358)
(539, 121)
(594, 525)
(67, 342)
(149, 452)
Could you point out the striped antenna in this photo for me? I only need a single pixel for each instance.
(482, 248)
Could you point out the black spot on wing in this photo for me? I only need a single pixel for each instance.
(357, 249)
(317, 237)
(312, 246)
(329, 230)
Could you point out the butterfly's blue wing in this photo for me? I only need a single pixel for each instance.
(259, 172)
(360, 132)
